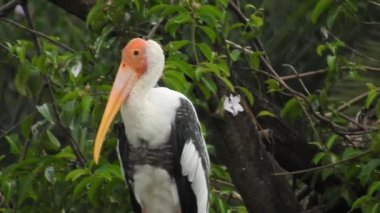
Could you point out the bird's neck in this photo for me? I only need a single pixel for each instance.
(138, 96)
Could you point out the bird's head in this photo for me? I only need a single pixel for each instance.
(142, 63)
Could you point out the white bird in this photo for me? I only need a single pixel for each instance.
(163, 154)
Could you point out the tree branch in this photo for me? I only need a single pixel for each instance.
(42, 35)
(30, 23)
(73, 144)
(323, 166)
(79, 8)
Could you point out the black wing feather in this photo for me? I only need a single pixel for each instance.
(123, 151)
(186, 129)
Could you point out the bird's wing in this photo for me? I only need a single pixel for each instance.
(191, 159)
(122, 150)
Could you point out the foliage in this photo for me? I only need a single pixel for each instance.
(46, 157)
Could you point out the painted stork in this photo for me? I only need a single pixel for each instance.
(163, 154)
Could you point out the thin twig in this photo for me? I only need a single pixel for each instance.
(193, 43)
(298, 77)
(154, 29)
(10, 129)
(30, 24)
(323, 166)
(351, 48)
(215, 180)
(375, 3)
(267, 66)
(74, 145)
(349, 103)
(353, 121)
(42, 35)
(371, 22)
(305, 74)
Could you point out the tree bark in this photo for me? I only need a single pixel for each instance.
(79, 8)
(251, 167)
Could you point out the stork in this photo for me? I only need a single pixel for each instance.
(163, 155)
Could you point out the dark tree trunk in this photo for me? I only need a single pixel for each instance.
(251, 166)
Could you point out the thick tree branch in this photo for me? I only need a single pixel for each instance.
(79, 8)
(250, 166)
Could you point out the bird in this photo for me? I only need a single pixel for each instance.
(161, 149)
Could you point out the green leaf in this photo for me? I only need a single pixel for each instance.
(75, 174)
(374, 187)
(53, 144)
(210, 84)
(26, 125)
(22, 77)
(235, 54)
(14, 144)
(330, 142)
(206, 92)
(331, 62)
(361, 201)
(176, 45)
(175, 22)
(26, 188)
(174, 8)
(254, 60)
(367, 170)
(50, 174)
(272, 85)
(175, 80)
(320, 49)
(69, 96)
(247, 94)
(318, 157)
(45, 111)
(94, 186)
(326, 173)
(332, 17)
(264, 113)
(78, 190)
(66, 153)
(292, 109)
(372, 94)
(223, 2)
(321, 6)
(221, 206)
(108, 171)
(256, 21)
(85, 107)
(211, 12)
(227, 83)
(375, 208)
(206, 51)
(211, 34)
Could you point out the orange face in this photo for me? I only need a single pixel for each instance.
(134, 55)
(132, 66)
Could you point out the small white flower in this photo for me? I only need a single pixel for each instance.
(232, 104)
(19, 11)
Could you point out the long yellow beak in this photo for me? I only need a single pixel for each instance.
(123, 84)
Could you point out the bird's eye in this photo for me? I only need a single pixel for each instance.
(136, 52)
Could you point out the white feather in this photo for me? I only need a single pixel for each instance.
(155, 190)
(192, 168)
